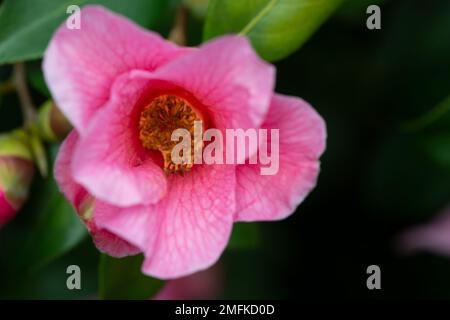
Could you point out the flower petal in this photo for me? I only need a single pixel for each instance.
(77, 195)
(228, 77)
(111, 244)
(128, 223)
(187, 230)
(72, 190)
(301, 142)
(110, 162)
(81, 65)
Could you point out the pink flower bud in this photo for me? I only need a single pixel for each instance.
(52, 124)
(16, 172)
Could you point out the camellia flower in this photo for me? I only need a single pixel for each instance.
(16, 172)
(125, 90)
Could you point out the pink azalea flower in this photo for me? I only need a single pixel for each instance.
(105, 76)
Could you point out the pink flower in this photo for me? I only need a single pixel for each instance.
(115, 82)
(16, 172)
(433, 236)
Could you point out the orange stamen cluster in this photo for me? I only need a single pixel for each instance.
(158, 120)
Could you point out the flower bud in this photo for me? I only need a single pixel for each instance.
(16, 172)
(52, 124)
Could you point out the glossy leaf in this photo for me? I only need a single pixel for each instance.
(26, 26)
(275, 27)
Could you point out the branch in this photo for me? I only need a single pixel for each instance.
(20, 82)
(178, 32)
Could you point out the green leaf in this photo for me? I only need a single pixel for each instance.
(26, 26)
(57, 231)
(275, 27)
(50, 282)
(244, 236)
(123, 279)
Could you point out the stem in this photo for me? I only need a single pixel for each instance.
(178, 32)
(20, 82)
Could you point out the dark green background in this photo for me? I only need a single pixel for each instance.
(377, 179)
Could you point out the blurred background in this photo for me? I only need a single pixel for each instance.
(384, 95)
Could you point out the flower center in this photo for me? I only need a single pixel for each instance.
(158, 120)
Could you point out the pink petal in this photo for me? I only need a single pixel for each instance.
(433, 236)
(7, 212)
(110, 161)
(80, 66)
(227, 77)
(111, 244)
(302, 141)
(71, 190)
(76, 194)
(127, 223)
(187, 230)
